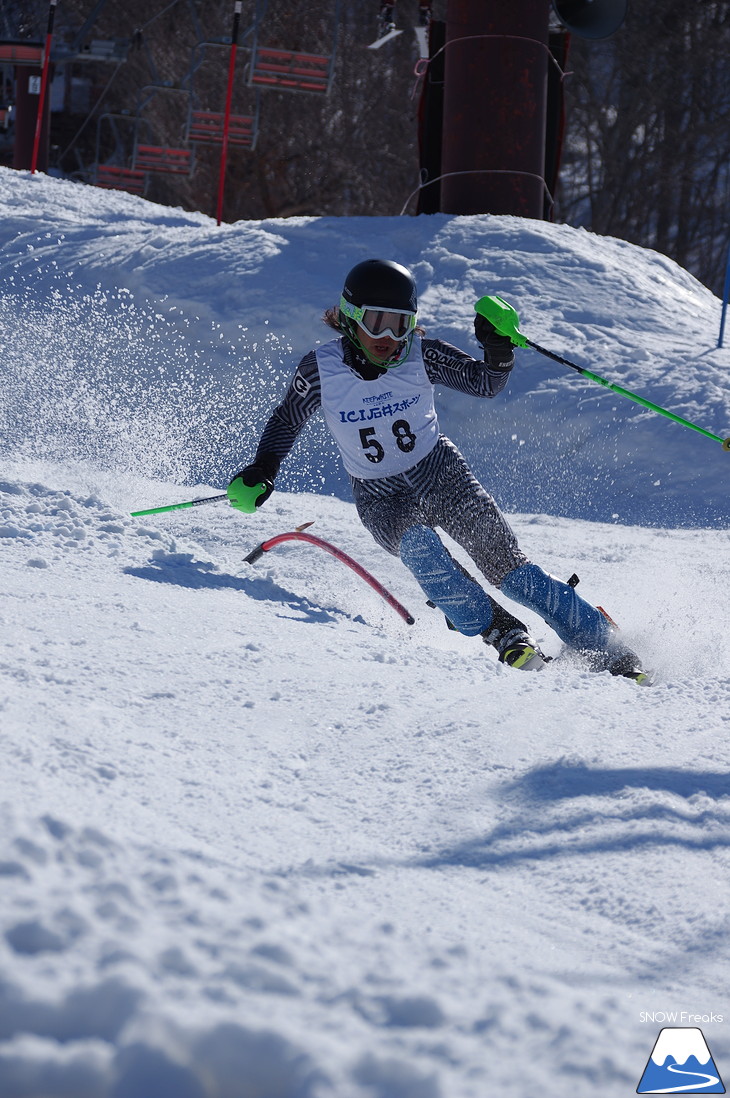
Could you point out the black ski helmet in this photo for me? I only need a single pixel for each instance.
(379, 284)
(383, 283)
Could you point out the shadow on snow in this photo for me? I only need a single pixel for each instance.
(613, 825)
(181, 570)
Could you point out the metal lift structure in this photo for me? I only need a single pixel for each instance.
(265, 68)
(128, 148)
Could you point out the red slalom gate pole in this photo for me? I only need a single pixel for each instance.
(298, 535)
(227, 113)
(44, 84)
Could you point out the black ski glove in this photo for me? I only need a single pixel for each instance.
(261, 473)
(499, 352)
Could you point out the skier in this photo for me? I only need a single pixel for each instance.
(374, 383)
(386, 21)
(386, 18)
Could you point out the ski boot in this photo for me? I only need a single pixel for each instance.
(588, 631)
(514, 644)
(464, 603)
(627, 665)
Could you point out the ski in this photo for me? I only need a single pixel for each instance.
(421, 34)
(629, 668)
(392, 33)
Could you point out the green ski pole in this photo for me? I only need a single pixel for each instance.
(179, 506)
(245, 500)
(505, 319)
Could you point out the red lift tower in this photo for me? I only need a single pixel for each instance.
(493, 118)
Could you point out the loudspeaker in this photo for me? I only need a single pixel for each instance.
(591, 18)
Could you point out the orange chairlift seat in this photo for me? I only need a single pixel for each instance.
(292, 70)
(206, 128)
(21, 53)
(285, 70)
(169, 159)
(119, 179)
(163, 158)
(115, 176)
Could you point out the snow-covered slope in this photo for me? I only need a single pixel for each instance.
(261, 839)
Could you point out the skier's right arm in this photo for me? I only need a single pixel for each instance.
(302, 399)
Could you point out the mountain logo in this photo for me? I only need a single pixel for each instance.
(680, 1063)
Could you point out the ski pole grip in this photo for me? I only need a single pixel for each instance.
(243, 497)
(503, 317)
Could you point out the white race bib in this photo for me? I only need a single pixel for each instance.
(381, 427)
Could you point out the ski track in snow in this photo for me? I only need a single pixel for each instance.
(260, 839)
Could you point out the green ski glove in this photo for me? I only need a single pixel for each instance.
(503, 317)
(249, 489)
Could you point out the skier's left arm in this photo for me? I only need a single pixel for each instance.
(448, 365)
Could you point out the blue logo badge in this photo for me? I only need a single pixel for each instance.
(680, 1063)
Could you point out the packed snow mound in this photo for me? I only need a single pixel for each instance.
(152, 339)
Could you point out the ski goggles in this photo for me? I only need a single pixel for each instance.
(396, 323)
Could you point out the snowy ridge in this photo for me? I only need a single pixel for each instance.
(261, 839)
(175, 337)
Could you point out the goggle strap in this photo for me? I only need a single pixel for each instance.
(357, 313)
